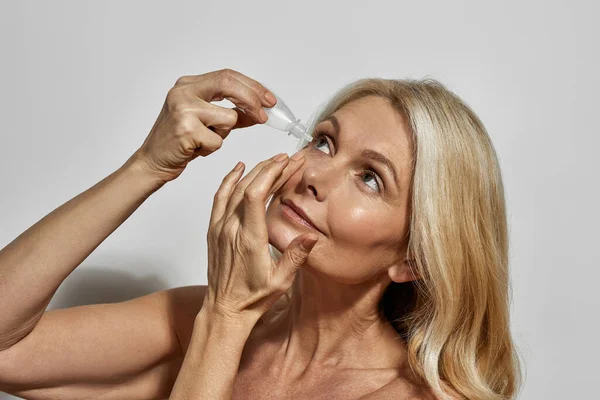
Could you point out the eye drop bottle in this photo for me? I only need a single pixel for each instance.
(282, 118)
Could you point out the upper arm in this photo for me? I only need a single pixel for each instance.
(128, 350)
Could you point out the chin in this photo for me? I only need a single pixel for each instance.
(280, 235)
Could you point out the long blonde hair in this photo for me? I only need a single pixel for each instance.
(455, 318)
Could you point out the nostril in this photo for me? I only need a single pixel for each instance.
(311, 187)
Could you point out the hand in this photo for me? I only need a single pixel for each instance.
(189, 126)
(243, 279)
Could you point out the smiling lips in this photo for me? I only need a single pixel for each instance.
(296, 214)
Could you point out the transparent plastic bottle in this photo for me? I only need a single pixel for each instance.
(282, 118)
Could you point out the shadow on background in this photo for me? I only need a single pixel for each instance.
(96, 285)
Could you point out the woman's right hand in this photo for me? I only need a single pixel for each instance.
(189, 126)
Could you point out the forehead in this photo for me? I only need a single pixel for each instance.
(372, 123)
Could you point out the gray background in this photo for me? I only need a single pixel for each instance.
(83, 82)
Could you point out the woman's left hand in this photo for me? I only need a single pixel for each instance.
(243, 279)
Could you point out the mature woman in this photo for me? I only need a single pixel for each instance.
(379, 269)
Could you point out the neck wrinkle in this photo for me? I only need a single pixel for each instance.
(347, 335)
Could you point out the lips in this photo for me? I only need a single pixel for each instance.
(303, 218)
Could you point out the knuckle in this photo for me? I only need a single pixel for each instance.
(238, 191)
(219, 196)
(176, 100)
(252, 194)
(173, 98)
(231, 117)
(218, 143)
(185, 127)
(182, 80)
(225, 77)
(228, 71)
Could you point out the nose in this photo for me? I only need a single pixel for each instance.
(319, 179)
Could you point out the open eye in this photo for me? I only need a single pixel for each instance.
(321, 141)
(373, 180)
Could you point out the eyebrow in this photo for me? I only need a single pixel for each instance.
(367, 153)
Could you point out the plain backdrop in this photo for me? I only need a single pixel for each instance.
(82, 83)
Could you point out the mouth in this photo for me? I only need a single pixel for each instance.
(296, 214)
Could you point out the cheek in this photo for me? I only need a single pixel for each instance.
(354, 225)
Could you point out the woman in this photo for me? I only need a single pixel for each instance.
(393, 281)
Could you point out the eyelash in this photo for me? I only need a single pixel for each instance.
(321, 135)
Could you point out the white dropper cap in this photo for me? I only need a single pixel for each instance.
(282, 118)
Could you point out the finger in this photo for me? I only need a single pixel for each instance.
(238, 192)
(224, 193)
(289, 170)
(226, 84)
(267, 98)
(244, 120)
(256, 195)
(220, 120)
(205, 141)
(294, 256)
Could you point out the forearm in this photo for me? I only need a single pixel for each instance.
(33, 266)
(212, 358)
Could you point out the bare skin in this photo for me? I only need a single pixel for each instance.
(182, 342)
(327, 336)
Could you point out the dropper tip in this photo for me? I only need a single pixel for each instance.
(300, 131)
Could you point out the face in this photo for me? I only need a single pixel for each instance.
(357, 205)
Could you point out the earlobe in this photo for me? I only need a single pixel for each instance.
(404, 272)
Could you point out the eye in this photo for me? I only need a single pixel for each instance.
(369, 176)
(320, 140)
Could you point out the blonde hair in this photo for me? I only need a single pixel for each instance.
(455, 317)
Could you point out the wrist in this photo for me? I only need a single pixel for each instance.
(225, 324)
(137, 167)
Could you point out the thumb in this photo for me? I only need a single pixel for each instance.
(296, 253)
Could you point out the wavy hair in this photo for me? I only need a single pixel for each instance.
(455, 317)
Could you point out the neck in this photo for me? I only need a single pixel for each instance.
(330, 324)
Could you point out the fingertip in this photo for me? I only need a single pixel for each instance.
(271, 99)
(309, 242)
(281, 158)
(262, 116)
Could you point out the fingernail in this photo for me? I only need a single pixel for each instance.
(270, 98)
(275, 156)
(297, 157)
(263, 115)
(281, 157)
(309, 242)
(238, 166)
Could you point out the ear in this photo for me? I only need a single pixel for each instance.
(403, 272)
